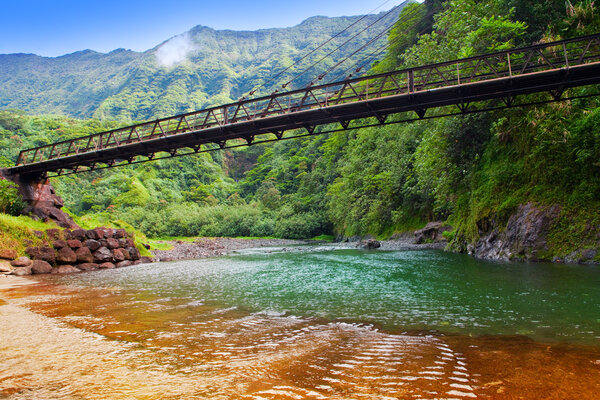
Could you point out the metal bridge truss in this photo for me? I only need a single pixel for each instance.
(366, 101)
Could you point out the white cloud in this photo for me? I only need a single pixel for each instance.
(174, 51)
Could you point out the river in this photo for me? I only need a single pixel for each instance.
(306, 322)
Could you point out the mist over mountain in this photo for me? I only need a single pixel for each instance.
(199, 68)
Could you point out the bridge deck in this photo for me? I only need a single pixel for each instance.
(552, 67)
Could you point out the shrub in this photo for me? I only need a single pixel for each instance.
(10, 200)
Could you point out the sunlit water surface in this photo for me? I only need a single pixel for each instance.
(307, 323)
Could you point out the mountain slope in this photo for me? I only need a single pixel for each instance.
(199, 68)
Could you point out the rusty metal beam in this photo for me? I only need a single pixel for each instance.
(551, 68)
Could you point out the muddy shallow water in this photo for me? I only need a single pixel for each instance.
(316, 323)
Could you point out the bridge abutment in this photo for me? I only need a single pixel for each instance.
(42, 201)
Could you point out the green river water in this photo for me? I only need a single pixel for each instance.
(306, 322)
(396, 290)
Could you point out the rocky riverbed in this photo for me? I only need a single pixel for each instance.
(214, 247)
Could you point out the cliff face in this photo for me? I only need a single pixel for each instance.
(526, 236)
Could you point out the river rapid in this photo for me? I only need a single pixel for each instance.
(306, 322)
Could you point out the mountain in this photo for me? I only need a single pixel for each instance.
(199, 68)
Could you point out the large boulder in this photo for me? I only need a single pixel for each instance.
(369, 244)
(84, 255)
(78, 234)
(41, 267)
(134, 253)
(5, 267)
(106, 265)
(119, 233)
(124, 264)
(120, 255)
(112, 243)
(74, 244)
(103, 233)
(10, 254)
(42, 253)
(59, 244)
(432, 233)
(22, 271)
(54, 234)
(21, 262)
(102, 255)
(92, 244)
(65, 269)
(66, 256)
(92, 234)
(87, 266)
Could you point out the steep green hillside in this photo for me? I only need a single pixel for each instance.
(199, 68)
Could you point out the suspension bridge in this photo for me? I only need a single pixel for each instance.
(475, 84)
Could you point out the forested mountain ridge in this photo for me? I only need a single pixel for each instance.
(194, 70)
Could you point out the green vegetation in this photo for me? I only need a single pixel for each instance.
(221, 67)
(472, 171)
(10, 200)
(16, 232)
(158, 245)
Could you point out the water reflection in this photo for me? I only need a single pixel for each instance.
(236, 328)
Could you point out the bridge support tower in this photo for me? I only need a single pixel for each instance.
(42, 201)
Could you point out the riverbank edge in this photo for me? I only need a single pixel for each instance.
(200, 248)
(66, 251)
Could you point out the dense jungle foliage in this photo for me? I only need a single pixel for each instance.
(375, 181)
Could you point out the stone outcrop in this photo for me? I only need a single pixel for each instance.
(65, 269)
(42, 201)
(87, 266)
(22, 271)
(84, 255)
(47, 254)
(21, 262)
(8, 254)
(5, 267)
(524, 236)
(66, 256)
(41, 267)
(369, 244)
(432, 233)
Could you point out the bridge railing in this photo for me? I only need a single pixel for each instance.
(509, 63)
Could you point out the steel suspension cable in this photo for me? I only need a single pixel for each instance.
(317, 48)
(372, 56)
(338, 48)
(406, 16)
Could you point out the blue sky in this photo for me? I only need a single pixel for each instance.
(56, 27)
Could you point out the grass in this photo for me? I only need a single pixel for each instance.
(575, 229)
(324, 238)
(96, 220)
(157, 245)
(15, 231)
(256, 238)
(175, 239)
